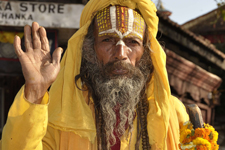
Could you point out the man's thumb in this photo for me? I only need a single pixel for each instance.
(56, 56)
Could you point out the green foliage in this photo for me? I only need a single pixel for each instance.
(221, 12)
(211, 135)
(192, 132)
(220, 3)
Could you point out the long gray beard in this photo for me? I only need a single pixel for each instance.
(117, 92)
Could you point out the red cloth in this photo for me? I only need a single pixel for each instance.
(117, 145)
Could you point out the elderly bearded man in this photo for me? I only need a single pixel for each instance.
(112, 91)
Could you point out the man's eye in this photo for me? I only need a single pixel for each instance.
(106, 40)
(134, 42)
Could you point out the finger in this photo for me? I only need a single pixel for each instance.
(17, 46)
(56, 56)
(44, 39)
(27, 38)
(36, 36)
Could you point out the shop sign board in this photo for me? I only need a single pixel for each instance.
(53, 15)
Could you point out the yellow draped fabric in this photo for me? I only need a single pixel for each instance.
(68, 110)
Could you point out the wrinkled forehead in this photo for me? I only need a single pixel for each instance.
(121, 21)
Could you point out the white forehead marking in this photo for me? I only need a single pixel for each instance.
(113, 16)
(121, 42)
(130, 20)
(113, 23)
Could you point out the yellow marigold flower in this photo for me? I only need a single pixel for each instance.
(214, 146)
(213, 135)
(209, 127)
(203, 142)
(185, 125)
(185, 135)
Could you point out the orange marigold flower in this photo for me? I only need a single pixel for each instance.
(179, 146)
(199, 132)
(201, 147)
(187, 140)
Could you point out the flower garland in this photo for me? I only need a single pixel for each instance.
(199, 138)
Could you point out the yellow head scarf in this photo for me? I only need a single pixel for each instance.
(68, 110)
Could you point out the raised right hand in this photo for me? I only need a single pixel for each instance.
(39, 68)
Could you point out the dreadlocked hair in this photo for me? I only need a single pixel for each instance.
(90, 55)
(146, 67)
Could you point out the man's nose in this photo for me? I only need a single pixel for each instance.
(121, 52)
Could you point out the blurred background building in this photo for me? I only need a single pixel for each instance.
(195, 63)
(212, 27)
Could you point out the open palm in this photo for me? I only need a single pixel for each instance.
(39, 68)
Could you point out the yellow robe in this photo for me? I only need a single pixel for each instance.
(26, 128)
(67, 122)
